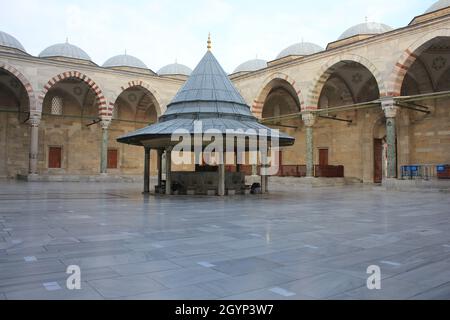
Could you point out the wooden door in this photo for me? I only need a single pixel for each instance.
(54, 157)
(323, 157)
(378, 160)
(112, 159)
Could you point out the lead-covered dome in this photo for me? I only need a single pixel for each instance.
(124, 60)
(367, 28)
(175, 69)
(7, 40)
(65, 50)
(251, 65)
(300, 49)
(441, 4)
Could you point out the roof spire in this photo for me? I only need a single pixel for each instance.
(367, 19)
(125, 51)
(209, 42)
(67, 39)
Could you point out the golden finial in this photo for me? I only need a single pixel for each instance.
(209, 42)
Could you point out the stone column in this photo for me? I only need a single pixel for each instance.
(309, 120)
(263, 173)
(221, 186)
(160, 153)
(168, 171)
(390, 111)
(238, 166)
(147, 170)
(34, 144)
(104, 147)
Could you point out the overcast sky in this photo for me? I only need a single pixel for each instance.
(160, 32)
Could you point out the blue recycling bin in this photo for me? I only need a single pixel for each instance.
(406, 172)
(415, 172)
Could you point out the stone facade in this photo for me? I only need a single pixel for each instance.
(102, 104)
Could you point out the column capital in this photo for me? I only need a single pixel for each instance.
(34, 121)
(389, 107)
(105, 124)
(309, 119)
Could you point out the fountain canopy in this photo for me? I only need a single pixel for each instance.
(207, 96)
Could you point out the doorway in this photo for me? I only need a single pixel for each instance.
(323, 157)
(54, 157)
(378, 160)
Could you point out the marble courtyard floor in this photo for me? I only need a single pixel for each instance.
(298, 244)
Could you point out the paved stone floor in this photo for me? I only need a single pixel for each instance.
(299, 244)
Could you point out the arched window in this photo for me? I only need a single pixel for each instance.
(57, 106)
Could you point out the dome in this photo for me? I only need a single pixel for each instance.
(66, 50)
(124, 60)
(251, 65)
(300, 49)
(441, 4)
(7, 40)
(365, 28)
(175, 68)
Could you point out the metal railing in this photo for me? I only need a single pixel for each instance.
(425, 172)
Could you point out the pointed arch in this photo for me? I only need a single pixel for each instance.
(102, 105)
(266, 87)
(330, 67)
(140, 84)
(33, 105)
(408, 57)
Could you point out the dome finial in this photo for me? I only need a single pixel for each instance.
(125, 51)
(209, 42)
(67, 39)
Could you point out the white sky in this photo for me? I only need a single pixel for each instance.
(160, 32)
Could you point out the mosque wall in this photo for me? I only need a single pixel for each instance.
(422, 139)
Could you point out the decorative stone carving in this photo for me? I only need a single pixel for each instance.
(35, 121)
(389, 108)
(309, 119)
(105, 124)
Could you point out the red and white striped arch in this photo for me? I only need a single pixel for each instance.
(330, 67)
(407, 59)
(34, 106)
(265, 88)
(138, 84)
(101, 100)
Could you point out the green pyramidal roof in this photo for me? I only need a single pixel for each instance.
(208, 95)
(208, 91)
(208, 82)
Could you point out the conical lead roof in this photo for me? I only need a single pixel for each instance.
(207, 91)
(208, 95)
(208, 82)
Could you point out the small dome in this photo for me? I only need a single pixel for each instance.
(251, 65)
(365, 28)
(124, 60)
(300, 49)
(66, 50)
(175, 68)
(7, 40)
(441, 4)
